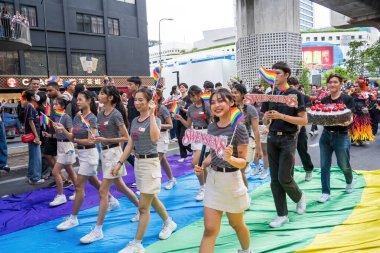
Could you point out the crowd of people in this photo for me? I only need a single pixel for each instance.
(13, 25)
(110, 129)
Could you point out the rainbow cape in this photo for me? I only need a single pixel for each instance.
(157, 75)
(59, 113)
(268, 75)
(174, 108)
(236, 116)
(206, 96)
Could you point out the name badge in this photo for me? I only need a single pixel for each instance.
(141, 130)
(106, 123)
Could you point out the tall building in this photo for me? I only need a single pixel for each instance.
(306, 15)
(86, 37)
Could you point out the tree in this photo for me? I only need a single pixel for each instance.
(341, 71)
(356, 58)
(372, 55)
(305, 79)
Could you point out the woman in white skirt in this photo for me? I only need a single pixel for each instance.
(225, 189)
(145, 133)
(163, 143)
(87, 155)
(65, 152)
(199, 117)
(111, 126)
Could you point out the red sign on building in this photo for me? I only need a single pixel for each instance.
(12, 82)
(318, 57)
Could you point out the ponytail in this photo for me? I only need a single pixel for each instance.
(112, 91)
(88, 95)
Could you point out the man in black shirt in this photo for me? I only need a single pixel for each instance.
(282, 142)
(336, 138)
(302, 135)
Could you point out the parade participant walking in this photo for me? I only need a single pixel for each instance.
(184, 103)
(163, 142)
(84, 127)
(112, 131)
(198, 117)
(225, 189)
(145, 133)
(65, 150)
(336, 139)
(251, 121)
(313, 97)
(282, 142)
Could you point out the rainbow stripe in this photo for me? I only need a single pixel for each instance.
(106, 78)
(85, 123)
(268, 75)
(55, 79)
(236, 116)
(157, 75)
(59, 113)
(45, 120)
(47, 114)
(206, 96)
(174, 108)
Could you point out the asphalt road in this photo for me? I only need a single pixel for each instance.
(362, 158)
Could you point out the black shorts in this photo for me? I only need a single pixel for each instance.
(49, 147)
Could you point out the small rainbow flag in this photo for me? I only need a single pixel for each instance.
(236, 116)
(59, 113)
(56, 79)
(106, 78)
(174, 108)
(85, 123)
(268, 75)
(45, 120)
(47, 114)
(206, 96)
(157, 75)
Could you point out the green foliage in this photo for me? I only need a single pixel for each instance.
(372, 55)
(305, 79)
(356, 58)
(341, 71)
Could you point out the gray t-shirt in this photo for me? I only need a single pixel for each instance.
(198, 116)
(66, 123)
(163, 114)
(250, 113)
(241, 137)
(79, 131)
(108, 126)
(140, 134)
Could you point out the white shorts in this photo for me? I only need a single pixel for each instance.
(251, 149)
(65, 153)
(148, 175)
(226, 192)
(163, 142)
(88, 162)
(198, 146)
(263, 136)
(110, 157)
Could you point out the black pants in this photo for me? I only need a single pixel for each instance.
(314, 128)
(302, 150)
(281, 154)
(180, 133)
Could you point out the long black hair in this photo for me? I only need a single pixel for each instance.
(116, 100)
(197, 91)
(88, 95)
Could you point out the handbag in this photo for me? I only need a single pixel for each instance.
(26, 138)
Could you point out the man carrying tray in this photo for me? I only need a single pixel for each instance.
(336, 138)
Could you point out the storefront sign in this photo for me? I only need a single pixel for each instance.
(11, 82)
(289, 100)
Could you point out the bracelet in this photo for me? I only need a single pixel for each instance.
(120, 162)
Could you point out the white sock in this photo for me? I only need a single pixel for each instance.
(98, 227)
(74, 217)
(169, 219)
(112, 198)
(137, 241)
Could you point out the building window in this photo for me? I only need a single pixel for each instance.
(30, 13)
(315, 38)
(128, 1)
(88, 64)
(90, 24)
(307, 38)
(352, 37)
(337, 37)
(323, 38)
(35, 63)
(113, 26)
(9, 63)
(330, 38)
(8, 6)
(360, 37)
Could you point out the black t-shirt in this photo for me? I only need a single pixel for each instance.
(185, 104)
(132, 111)
(343, 99)
(32, 114)
(279, 125)
(307, 101)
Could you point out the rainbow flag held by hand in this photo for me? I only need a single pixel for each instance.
(47, 114)
(174, 108)
(268, 75)
(45, 120)
(206, 97)
(157, 75)
(59, 113)
(85, 123)
(55, 79)
(236, 116)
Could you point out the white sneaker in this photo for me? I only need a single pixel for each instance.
(264, 174)
(68, 224)
(72, 197)
(136, 218)
(350, 187)
(324, 198)
(245, 251)
(41, 181)
(182, 160)
(113, 203)
(58, 200)
(133, 247)
(311, 133)
(167, 230)
(255, 172)
(201, 194)
(93, 236)
(316, 132)
(171, 183)
(301, 205)
(279, 221)
(309, 176)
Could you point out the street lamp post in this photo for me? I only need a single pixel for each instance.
(46, 39)
(159, 37)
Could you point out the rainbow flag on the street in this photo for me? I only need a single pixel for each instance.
(157, 75)
(174, 108)
(236, 116)
(268, 75)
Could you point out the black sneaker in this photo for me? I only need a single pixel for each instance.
(6, 168)
(52, 184)
(67, 184)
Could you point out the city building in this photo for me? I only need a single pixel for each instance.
(306, 15)
(85, 38)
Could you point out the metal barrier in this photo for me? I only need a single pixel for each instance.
(14, 28)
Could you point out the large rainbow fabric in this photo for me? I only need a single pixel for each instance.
(157, 75)
(236, 116)
(85, 123)
(174, 108)
(206, 96)
(55, 79)
(59, 113)
(268, 75)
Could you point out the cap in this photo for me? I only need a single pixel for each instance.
(67, 83)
